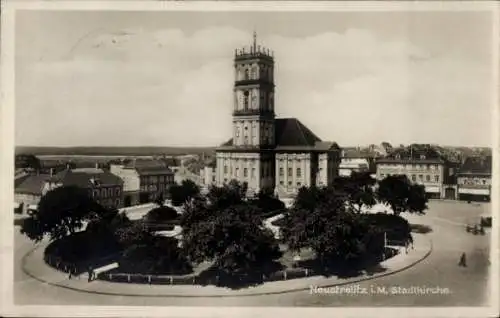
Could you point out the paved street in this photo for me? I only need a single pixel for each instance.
(467, 285)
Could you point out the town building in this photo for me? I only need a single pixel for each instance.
(28, 191)
(357, 160)
(208, 175)
(268, 152)
(102, 186)
(422, 164)
(143, 180)
(474, 179)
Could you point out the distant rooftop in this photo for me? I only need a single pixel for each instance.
(477, 165)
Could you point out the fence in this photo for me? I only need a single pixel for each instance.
(59, 263)
(195, 279)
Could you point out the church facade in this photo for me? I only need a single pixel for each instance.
(268, 152)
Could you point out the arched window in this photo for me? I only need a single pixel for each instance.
(254, 72)
(254, 99)
(245, 100)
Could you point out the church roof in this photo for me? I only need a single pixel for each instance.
(292, 135)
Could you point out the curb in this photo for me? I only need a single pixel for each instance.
(362, 279)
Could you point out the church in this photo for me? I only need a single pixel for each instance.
(268, 152)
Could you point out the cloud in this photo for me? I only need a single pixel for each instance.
(168, 87)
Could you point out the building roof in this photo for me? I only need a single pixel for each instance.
(32, 184)
(147, 167)
(355, 152)
(415, 153)
(476, 165)
(84, 178)
(211, 163)
(292, 135)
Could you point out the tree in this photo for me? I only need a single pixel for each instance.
(196, 211)
(161, 214)
(162, 256)
(337, 235)
(235, 239)
(402, 195)
(27, 161)
(184, 192)
(160, 199)
(61, 212)
(267, 202)
(225, 196)
(358, 190)
(307, 198)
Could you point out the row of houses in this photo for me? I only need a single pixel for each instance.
(126, 184)
(442, 176)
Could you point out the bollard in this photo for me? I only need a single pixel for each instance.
(128, 278)
(171, 280)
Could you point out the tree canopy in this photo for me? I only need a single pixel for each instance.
(398, 192)
(182, 193)
(321, 220)
(234, 238)
(27, 161)
(161, 214)
(358, 190)
(228, 230)
(61, 212)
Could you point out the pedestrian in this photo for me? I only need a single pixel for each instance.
(90, 273)
(463, 261)
(70, 273)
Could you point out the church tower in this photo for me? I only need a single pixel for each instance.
(253, 113)
(249, 155)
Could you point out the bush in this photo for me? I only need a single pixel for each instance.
(162, 256)
(269, 205)
(161, 214)
(396, 227)
(82, 247)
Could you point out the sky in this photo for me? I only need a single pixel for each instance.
(104, 78)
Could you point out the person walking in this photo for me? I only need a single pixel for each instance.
(463, 261)
(411, 241)
(90, 273)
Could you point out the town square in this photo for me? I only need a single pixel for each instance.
(191, 158)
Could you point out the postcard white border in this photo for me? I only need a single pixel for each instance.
(7, 159)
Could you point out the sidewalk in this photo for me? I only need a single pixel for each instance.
(35, 267)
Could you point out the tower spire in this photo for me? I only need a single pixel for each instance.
(254, 40)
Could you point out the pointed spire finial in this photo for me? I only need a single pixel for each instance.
(254, 40)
